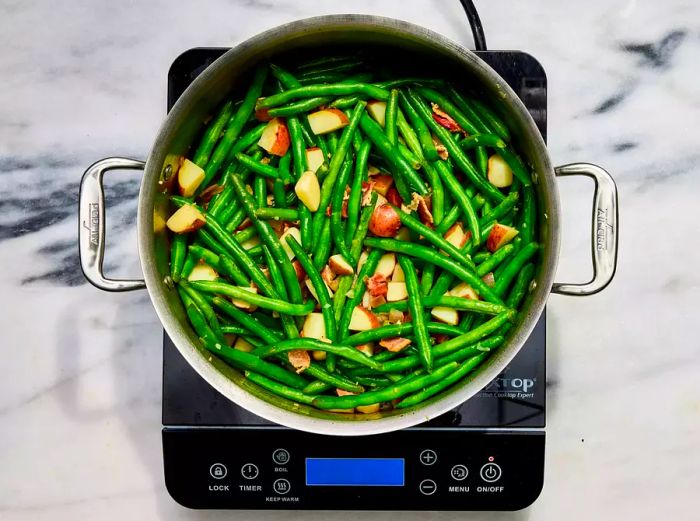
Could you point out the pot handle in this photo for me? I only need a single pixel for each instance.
(605, 223)
(91, 229)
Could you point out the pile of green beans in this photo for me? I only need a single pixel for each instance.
(395, 252)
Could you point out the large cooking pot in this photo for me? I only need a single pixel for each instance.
(181, 128)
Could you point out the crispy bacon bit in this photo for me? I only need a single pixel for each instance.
(210, 192)
(423, 208)
(440, 338)
(442, 152)
(375, 302)
(489, 279)
(392, 195)
(343, 210)
(367, 189)
(300, 359)
(407, 317)
(395, 316)
(343, 392)
(377, 285)
(327, 274)
(301, 274)
(444, 119)
(395, 344)
(245, 224)
(262, 115)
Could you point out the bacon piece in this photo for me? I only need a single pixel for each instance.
(377, 285)
(300, 359)
(444, 119)
(423, 209)
(395, 344)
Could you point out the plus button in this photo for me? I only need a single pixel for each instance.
(428, 457)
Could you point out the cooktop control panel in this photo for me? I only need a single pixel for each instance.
(278, 468)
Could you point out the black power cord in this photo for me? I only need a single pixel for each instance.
(475, 23)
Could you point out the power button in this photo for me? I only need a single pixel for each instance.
(490, 473)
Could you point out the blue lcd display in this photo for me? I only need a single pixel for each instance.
(355, 472)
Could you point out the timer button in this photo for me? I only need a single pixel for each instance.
(428, 457)
(490, 473)
(427, 487)
(280, 456)
(249, 471)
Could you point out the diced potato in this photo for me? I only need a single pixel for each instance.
(363, 319)
(377, 109)
(339, 265)
(327, 120)
(314, 327)
(203, 272)
(308, 190)
(275, 137)
(314, 158)
(446, 315)
(186, 219)
(290, 232)
(396, 291)
(368, 409)
(386, 265)
(241, 304)
(189, 177)
(463, 290)
(398, 275)
(499, 173)
(500, 235)
(243, 345)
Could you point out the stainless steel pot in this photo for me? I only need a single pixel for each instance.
(180, 129)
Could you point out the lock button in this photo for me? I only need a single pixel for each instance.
(218, 471)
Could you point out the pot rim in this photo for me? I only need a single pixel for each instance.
(214, 373)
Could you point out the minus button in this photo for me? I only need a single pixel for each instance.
(427, 487)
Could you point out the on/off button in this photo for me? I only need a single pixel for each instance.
(490, 473)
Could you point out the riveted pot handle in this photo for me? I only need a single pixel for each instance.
(605, 223)
(91, 229)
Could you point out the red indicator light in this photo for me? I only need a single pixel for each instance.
(491, 458)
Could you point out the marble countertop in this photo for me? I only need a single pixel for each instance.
(80, 398)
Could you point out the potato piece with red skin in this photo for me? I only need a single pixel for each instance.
(186, 219)
(500, 235)
(275, 137)
(363, 319)
(327, 120)
(385, 222)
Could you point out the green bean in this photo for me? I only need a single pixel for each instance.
(253, 298)
(390, 152)
(260, 192)
(326, 61)
(297, 107)
(316, 345)
(429, 255)
(409, 156)
(358, 290)
(277, 214)
(448, 107)
(246, 141)
(390, 117)
(424, 136)
(494, 260)
(393, 330)
(489, 116)
(336, 163)
(199, 324)
(393, 392)
(204, 307)
(337, 232)
(311, 91)
(235, 126)
(228, 212)
(466, 304)
(283, 168)
(521, 286)
(443, 282)
(464, 369)
(426, 281)
(480, 257)
(438, 195)
(500, 210)
(473, 116)
(481, 347)
(529, 220)
(188, 266)
(514, 266)
(415, 306)
(401, 82)
(279, 195)
(324, 299)
(373, 381)
(221, 263)
(323, 245)
(212, 135)
(317, 387)
(178, 249)
(336, 380)
(284, 391)
(275, 274)
(228, 329)
(355, 197)
(220, 201)
(333, 141)
(462, 199)
(269, 238)
(434, 238)
(345, 102)
(231, 246)
(454, 150)
(471, 339)
(482, 160)
(362, 227)
(258, 167)
(300, 166)
(330, 67)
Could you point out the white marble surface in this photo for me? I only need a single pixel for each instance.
(80, 392)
